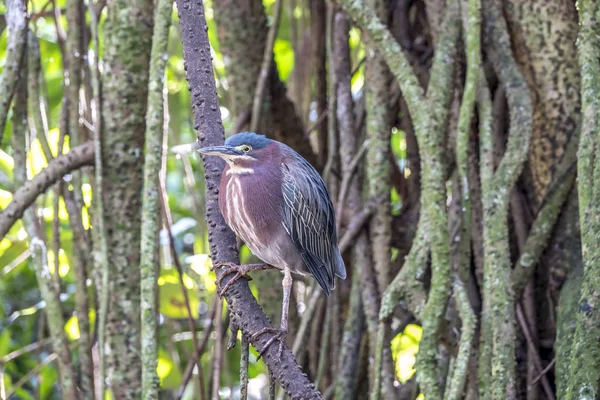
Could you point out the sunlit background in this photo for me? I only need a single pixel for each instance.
(22, 319)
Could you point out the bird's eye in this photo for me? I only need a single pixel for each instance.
(246, 149)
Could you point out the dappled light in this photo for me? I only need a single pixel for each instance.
(447, 150)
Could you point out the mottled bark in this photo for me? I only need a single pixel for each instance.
(471, 23)
(584, 374)
(244, 309)
(149, 262)
(128, 33)
(379, 128)
(495, 192)
(486, 173)
(433, 199)
(548, 61)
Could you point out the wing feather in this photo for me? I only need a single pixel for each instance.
(309, 219)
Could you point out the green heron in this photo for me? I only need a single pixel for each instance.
(277, 204)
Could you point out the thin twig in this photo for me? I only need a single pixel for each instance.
(356, 224)
(544, 371)
(218, 352)
(244, 368)
(324, 346)
(271, 386)
(347, 179)
(534, 353)
(17, 40)
(24, 350)
(196, 356)
(325, 113)
(29, 374)
(317, 123)
(265, 68)
(151, 196)
(307, 317)
(167, 218)
(101, 254)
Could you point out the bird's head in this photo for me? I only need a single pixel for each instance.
(242, 151)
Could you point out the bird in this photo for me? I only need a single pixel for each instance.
(280, 207)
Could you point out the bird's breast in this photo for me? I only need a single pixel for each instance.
(252, 207)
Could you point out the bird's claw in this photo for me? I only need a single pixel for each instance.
(223, 264)
(240, 272)
(279, 334)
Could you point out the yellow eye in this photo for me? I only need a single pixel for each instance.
(245, 148)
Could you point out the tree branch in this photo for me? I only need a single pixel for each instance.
(16, 20)
(25, 196)
(496, 194)
(244, 308)
(265, 68)
(584, 374)
(389, 48)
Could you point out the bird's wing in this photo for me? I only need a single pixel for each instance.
(309, 219)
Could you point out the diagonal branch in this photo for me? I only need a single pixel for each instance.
(390, 49)
(244, 308)
(78, 157)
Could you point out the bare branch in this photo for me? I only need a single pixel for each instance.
(17, 38)
(243, 306)
(57, 168)
(153, 197)
(265, 68)
(391, 51)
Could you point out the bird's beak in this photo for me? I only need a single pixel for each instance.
(221, 151)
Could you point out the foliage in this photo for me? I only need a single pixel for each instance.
(436, 175)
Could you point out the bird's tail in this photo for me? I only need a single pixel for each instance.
(339, 267)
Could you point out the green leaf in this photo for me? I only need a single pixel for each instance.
(168, 372)
(48, 378)
(405, 347)
(284, 58)
(171, 298)
(4, 342)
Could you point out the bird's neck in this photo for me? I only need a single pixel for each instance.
(238, 168)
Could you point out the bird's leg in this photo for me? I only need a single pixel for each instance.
(241, 271)
(282, 331)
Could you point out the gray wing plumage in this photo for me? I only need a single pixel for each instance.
(309, 219)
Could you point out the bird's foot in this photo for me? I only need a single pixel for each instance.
(280, 335)
(240, 271)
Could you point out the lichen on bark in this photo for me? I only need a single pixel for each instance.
(584, 374)
(377, 168)
(16, 21)
(498, 296)
(149, 262)
(128, 34)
